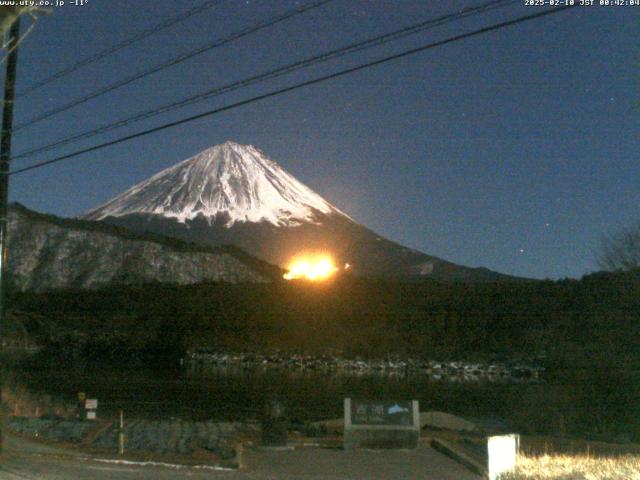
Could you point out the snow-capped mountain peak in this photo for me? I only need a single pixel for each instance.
(238, 182)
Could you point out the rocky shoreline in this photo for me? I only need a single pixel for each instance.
(436, 370)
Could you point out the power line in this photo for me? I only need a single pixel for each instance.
(296, 87)
(277, 72)
(175, 61)
(169, 22)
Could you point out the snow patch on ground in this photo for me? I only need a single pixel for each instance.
(158, 464)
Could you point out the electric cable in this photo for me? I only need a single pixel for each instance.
(170, 63)
(297, 86)
(169, 22)
(274, 73)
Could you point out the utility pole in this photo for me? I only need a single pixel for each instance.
(5, 164)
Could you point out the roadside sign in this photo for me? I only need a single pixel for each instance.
(381, 413)
(381, 423)
(91, 404)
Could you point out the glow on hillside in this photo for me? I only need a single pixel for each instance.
(312, 268)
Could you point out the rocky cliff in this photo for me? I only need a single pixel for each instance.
(47, 253)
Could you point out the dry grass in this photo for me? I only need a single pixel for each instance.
(575, 467)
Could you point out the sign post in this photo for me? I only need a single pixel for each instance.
(274, 423)
(121, 434)
(91, 405)
(381, 424)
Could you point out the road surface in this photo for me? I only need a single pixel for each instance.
(28, 460)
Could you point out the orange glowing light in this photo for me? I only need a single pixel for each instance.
(311, 268)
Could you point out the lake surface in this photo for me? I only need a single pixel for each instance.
(575, 408)
(235, 394)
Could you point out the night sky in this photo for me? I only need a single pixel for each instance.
(517, 150)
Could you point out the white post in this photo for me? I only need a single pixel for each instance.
(503, 454)
(121, 434)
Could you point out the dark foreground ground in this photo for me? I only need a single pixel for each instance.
(25, 459)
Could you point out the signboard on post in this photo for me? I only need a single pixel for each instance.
(381, 423)
(90, 406)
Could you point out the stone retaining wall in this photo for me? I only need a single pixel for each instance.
(163, 437)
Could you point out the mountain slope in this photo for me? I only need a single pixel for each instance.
(236, 182)
(48, 253)
(234, 194)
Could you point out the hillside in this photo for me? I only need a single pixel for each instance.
(584, 333)
(48, 253)
(355, 316)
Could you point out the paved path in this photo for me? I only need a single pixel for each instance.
(25, 460)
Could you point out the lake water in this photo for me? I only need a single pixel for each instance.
(228, 394)
(575, 408)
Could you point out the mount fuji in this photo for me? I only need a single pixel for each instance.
(235, 194)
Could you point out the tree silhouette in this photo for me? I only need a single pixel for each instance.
(621, 251)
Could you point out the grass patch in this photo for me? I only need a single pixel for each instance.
(575, 467)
